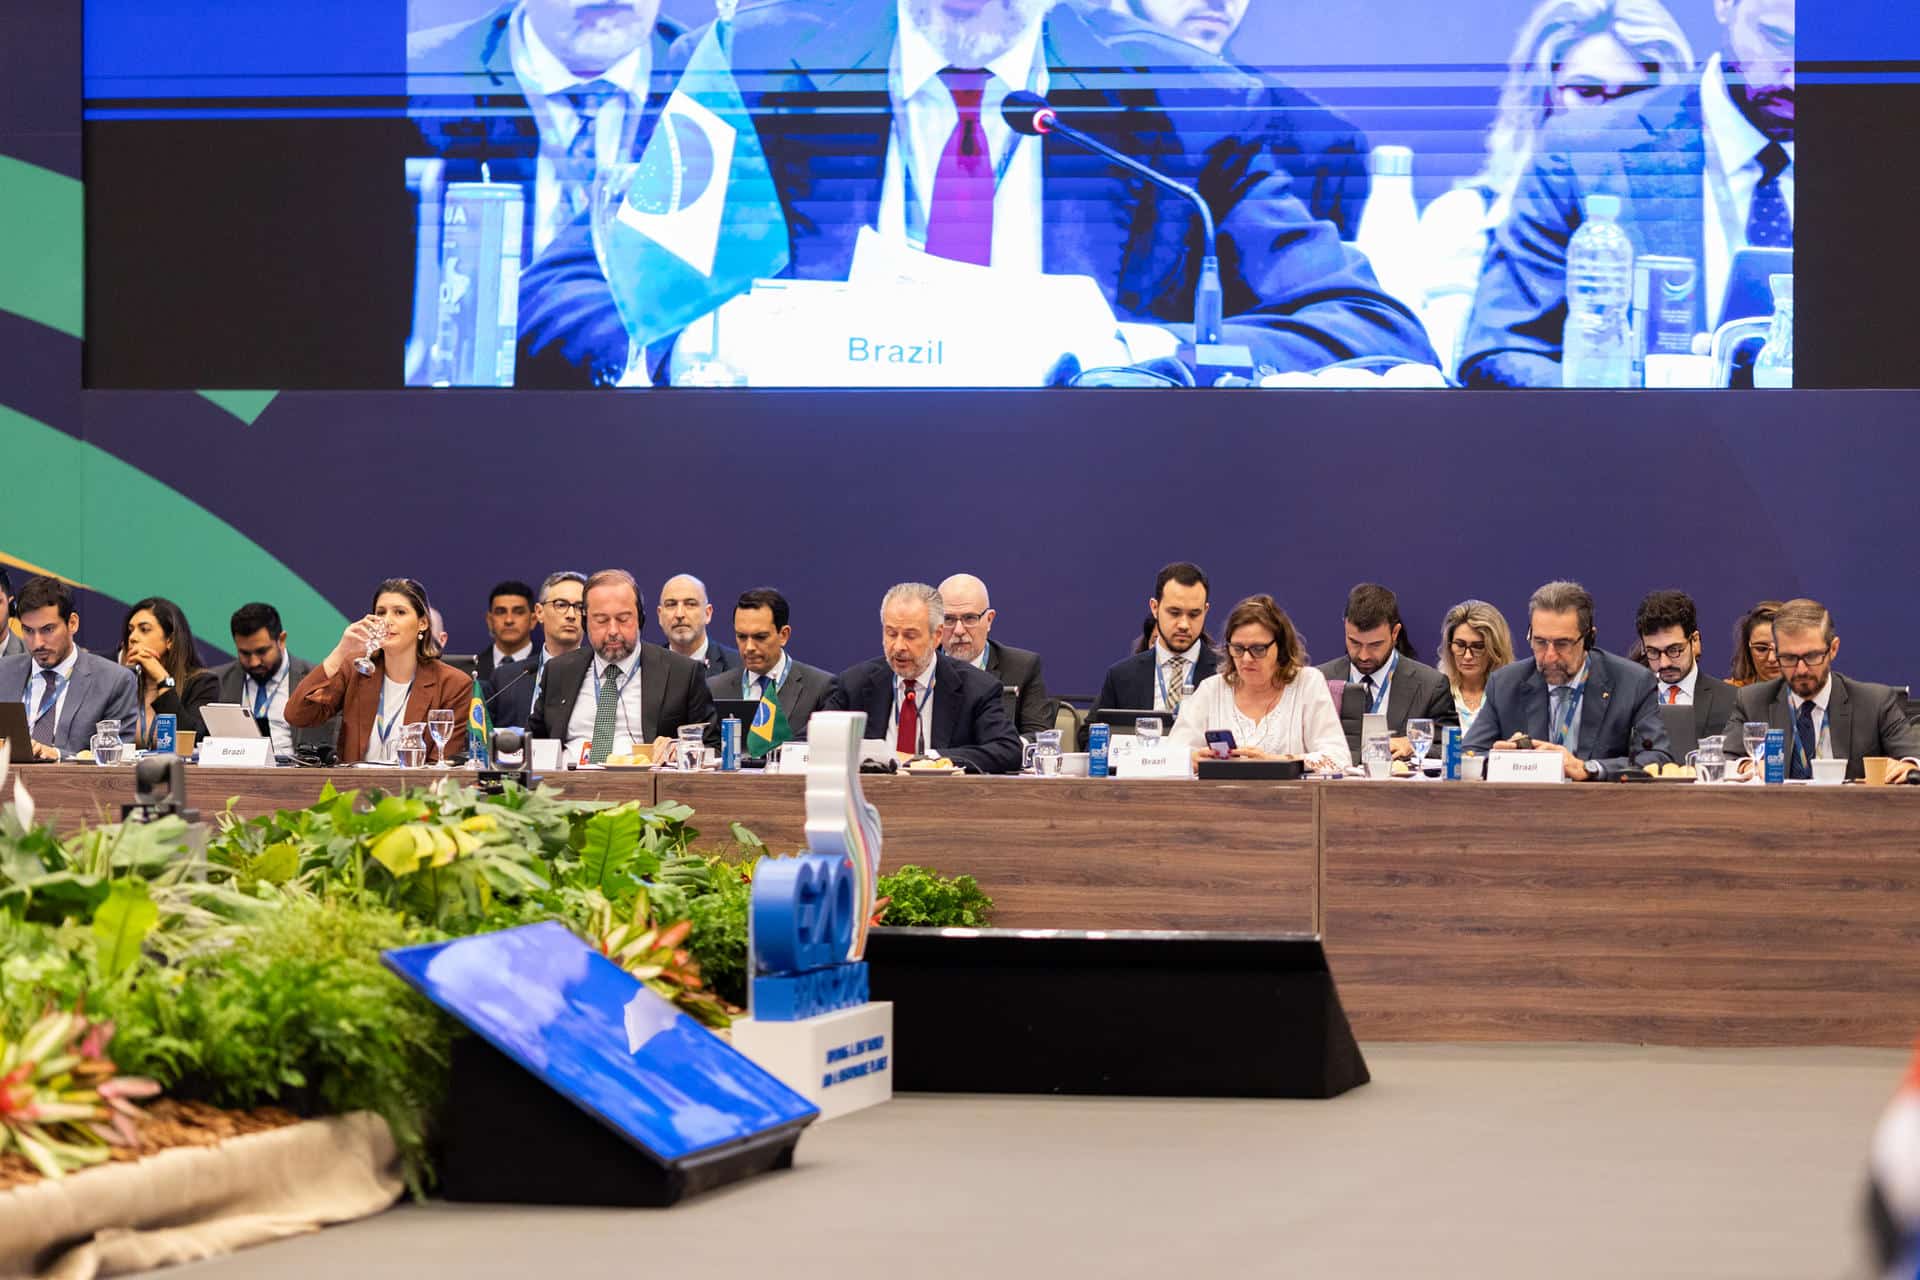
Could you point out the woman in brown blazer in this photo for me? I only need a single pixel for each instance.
(408, 680)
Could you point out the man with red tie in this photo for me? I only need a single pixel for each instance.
(1669, 631)
(920, 700)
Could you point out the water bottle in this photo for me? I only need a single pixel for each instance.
(1774, 366)
(165, 730)
(1389, 232)
(730, 744)
(1597, 345)
(1098, 738)
(1775, 770)
(1450, 738)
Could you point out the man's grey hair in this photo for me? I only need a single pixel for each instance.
(917, 591)
(553, 580)
(1564, 597)
(618, 577)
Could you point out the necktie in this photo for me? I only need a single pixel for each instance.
(1366, 682)
(1176, 681)
(607, 702)
(1673, 695)
(574, 168)
(907, 739)
(960, 215)
(1769, 224)
(1562, 715)
(45, 725)
(1806, 744)
(260, 703)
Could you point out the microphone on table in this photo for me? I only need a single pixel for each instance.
(1033, 116)
(509, 684)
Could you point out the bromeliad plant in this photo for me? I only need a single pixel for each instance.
(63, 1103)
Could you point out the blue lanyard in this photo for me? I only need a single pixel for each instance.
(1380, 690)
(263, 700)
(384, 727)
(747, 678)
(51, 699)
(1160, 676)
(1575, 692)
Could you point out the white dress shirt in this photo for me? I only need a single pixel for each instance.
(37, 688)
(277, 686)
(543, 78)
(1685, 686)
(1382, 682)
(750, 683)
(1162, 681)
(1733, 138)
(925, 115)
(922, 706)
(520, 654)
(1303, 723)
(627, 726)
(1822, 730)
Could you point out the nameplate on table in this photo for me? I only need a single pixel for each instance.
(1526, 766)
(790, 758)
(543, 755)
(1161, 759)
(236, 753)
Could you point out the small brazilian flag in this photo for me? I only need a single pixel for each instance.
(769, 728)
(479, 728)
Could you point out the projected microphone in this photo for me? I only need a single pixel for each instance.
(1032, 115)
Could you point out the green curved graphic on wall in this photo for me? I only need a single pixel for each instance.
(42, 246)
(144, 538)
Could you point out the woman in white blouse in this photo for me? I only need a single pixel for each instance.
(1265, 694)
(1474, 643)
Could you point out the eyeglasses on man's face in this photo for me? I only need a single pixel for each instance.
(1812, 660)
(1672, 653)
(967, 620)
(563, 606)
(1555, 644)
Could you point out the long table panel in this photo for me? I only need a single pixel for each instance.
(1666, 914)
(1069, 853)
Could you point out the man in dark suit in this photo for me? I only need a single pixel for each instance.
(66, 689)
(1669, 629)
(1294, 294)
(966, 721)
(762, 628)
(558, 611)
(1824, 714)
(616, 691)
(11, 645)
(1175, 653)
(1729, 134)
(263, 674)
(1380, 663)
(967, 638)
(685, 616)
(510, 623)
(1595, 709)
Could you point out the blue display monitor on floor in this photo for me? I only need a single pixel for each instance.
(574, 1021)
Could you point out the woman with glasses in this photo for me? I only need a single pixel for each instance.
(406, 679)
(1474, 643)
(1265, 694)
(157, 643)
(1753, 651)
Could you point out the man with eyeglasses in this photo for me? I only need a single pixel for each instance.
(1380, 674)
(1597, 710)
(966, 638)
(1824, 714)
(558, 611)
(1669, 629)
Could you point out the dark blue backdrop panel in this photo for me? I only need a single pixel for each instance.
(1067, 503)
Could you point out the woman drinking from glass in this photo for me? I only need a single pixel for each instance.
(1265, 694)
(157, 644)
(384, 673)
(1474, 643)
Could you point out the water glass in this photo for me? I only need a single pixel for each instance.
(1420, 738)
(1045, 746)
(376, 632)
(1710, 771)
(410, 749)
(440, 724)
(693, 746)
(1376, 753)
(1754, 734)
(105, 743)
(1148, 730)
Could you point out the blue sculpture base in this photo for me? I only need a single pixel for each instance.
(789, 997)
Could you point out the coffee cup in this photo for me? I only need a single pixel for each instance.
(1829, 773)
(183, 743)
(1073, 764)
(1876, 770)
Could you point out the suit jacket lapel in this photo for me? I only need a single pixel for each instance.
(1399, 695)
(1595, 702)
(880, 703)
(77, 685)
(1839, 718)
(653, 690)
(1535, 706)
(946, 701)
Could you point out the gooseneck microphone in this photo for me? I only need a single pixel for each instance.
(1032, 115)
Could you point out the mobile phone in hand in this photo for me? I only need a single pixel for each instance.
(1221, 742)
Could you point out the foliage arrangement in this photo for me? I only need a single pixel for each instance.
(63, 1102)
(918, 898)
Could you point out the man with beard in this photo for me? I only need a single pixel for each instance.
(66, 689)
(1597, 710)
(261, 676)
(914, 145)
(1825, 715)
(616, 691)
(1703, 169)
(1175, 653)
(1380, 667)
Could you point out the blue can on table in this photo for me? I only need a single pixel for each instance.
(1450, 752)
(1776, 749)
(165, 730)
(730, 744)
(1098, 736)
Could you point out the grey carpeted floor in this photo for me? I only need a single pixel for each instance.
(1469, 1161)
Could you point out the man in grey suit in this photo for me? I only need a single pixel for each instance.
(968, 638)
(67, 690)
(262, 676)
(1669, 629)
(1824, 714)
(11, 645)
(761, 629)
(1381, 666)
(1597, 710)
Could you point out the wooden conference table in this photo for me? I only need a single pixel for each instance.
(1663, 913)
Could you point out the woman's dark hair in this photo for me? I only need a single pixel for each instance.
(1262, 611)
(416, 595)
(1742, 668)
(181, 659)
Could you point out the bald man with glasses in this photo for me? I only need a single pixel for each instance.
(966, 637)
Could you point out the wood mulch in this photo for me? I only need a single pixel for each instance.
(168, 1124)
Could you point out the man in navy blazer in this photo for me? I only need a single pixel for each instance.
(1651, 150)
(967, 722)
(816, 77)
(1597, 710)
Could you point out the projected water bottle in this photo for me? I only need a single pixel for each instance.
(1597, 347)
(1774, 367)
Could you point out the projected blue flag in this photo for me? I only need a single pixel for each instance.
(701, 220)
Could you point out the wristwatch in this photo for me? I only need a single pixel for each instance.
(167, 683)
(1595, 771)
